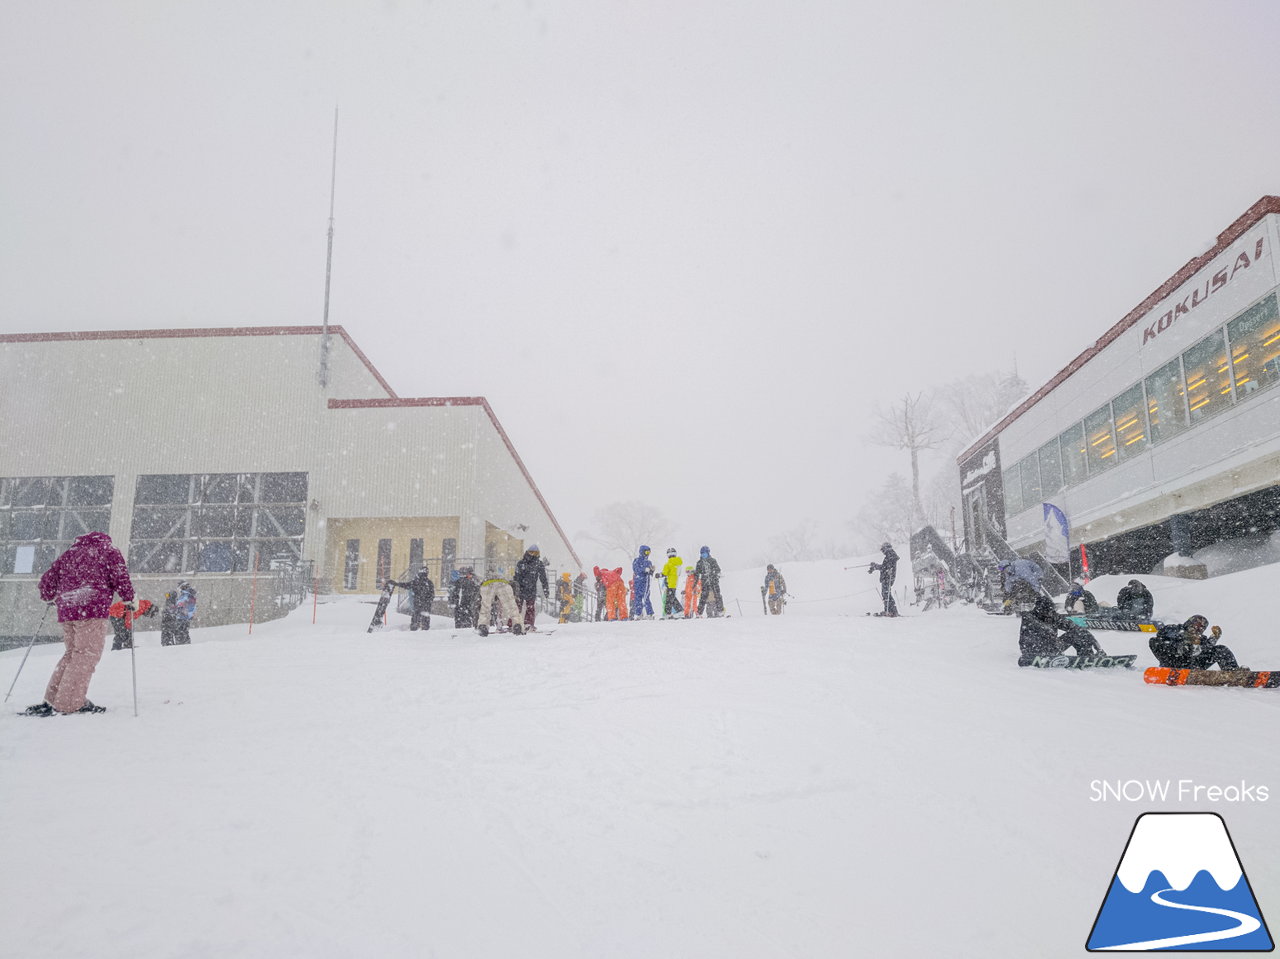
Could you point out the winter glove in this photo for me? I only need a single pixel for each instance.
(131, 605)
(1216, 633)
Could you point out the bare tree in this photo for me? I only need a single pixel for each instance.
(970, 406)
(804, 542)
(888, 518)
(911, 425)
(623, 527)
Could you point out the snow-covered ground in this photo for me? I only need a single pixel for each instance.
(820, 784)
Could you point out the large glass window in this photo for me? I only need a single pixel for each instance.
(217, 522)
(1074, 463)
(1100, 441)
(1255, 348)
(1208, 378)
(1012, 491)
(1050, 468)
(40, 516)
(1030, 470)
(1167, 401)
(1131, 422)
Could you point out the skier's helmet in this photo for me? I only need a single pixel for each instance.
(770, 568)
(533, 550)
(705, 551)
(671, 551)
(1076, 590)
(644, 550)
(885, 545)
(1197, 623)
(1134, 582)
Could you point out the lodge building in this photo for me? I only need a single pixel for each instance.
(232, 456)
(1163, 436)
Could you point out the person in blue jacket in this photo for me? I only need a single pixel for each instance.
(642, 572)
(176, 616)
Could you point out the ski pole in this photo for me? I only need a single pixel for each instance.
(133, 660)
(27, 653)
(859, 566)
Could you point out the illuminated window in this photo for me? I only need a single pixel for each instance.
(1131, 423)
(1012, 491)
(1208, 378)
(1167, 401)
(1255, 348)
(1100, 442)
(1075, 467)
(1050, 468)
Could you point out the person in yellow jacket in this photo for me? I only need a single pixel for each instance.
(692, 592)
(670, 576)
(564, 596)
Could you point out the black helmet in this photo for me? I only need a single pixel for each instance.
(1197, 622)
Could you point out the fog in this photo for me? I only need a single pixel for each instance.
(685, 250)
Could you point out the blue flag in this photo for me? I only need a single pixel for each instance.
(1057, 534)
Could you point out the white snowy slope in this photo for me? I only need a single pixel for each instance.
(819, 784)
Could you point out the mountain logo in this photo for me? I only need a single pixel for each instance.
(1179, 887)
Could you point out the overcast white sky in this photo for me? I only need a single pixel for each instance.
(684, 248)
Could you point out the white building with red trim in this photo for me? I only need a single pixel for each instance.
(1164, 435)
(220, 456)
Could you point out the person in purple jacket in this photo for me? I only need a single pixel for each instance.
(81, 582)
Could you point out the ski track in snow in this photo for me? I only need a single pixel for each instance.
(748, 787)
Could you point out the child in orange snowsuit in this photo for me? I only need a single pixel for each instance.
(692, 592)
(615, 593)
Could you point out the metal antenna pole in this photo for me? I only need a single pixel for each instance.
(328, 263)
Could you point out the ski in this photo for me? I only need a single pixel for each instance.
(1128, 623)
(1167, 676)
(1084, 662)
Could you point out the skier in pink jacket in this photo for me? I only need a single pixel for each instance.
(81, 582)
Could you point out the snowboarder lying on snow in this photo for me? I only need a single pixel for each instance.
(1186, 646)
(1039, 634)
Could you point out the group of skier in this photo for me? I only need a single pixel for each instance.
(618, 599)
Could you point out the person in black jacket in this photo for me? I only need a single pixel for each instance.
(707, 573)
(888, 573)
(1187, 646)
(1039, 634)
(530, 571)
(424, 594)
(1082, 597)
(464, 597)
(1135, 600)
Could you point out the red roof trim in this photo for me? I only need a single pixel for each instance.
(408, 402)
(1242, 224)
(198, 332)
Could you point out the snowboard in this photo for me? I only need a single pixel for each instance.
(885, 615)
(1129, 623)
(1167, 676)
(381, 609)
(1084, 662)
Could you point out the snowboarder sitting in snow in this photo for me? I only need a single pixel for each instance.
(1039, 634)
(888, 573)
(1079, 596)
(1186, 646)
(1135, 600)
(424, 594)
